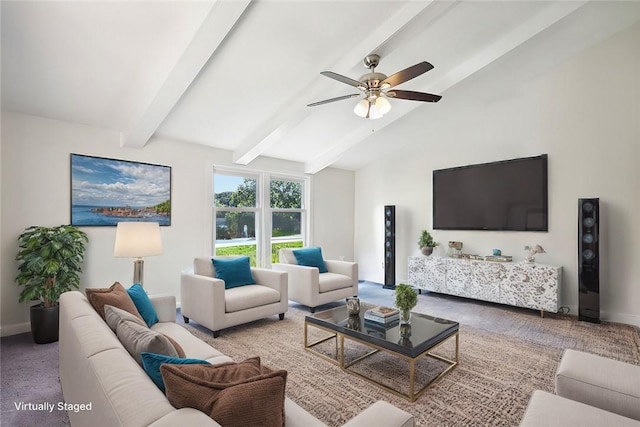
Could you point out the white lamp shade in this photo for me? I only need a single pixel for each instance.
(382, 105)
(137, 239)
(362, 108)
(373, 112)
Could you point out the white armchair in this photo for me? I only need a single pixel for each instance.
(204, 298)
(310, 287)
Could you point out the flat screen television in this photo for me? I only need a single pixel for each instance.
(506, 195)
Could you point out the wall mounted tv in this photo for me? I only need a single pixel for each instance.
(506, 195)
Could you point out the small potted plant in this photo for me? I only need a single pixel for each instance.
(426, 243)
(50, 263)
(406, 299)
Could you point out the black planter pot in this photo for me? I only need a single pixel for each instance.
(44, 323)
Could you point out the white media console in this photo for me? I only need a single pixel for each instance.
(519, 284)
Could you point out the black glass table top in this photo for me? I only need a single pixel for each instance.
(423, 333)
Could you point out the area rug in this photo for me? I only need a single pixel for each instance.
(505, 354)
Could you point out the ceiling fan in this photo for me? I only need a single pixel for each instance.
(376, 88)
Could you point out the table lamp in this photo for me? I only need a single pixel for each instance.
(137, 240)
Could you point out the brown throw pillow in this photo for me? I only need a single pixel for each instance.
(116, 296)
(233, 394)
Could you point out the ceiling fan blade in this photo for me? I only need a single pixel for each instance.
(343, 79)
(406, 74)
(413, 96)
(339, 98)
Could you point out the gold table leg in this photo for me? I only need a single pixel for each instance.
(412, 379)
(305, 335)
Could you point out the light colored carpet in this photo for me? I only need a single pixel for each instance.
(505, 354)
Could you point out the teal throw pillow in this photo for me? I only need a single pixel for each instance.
(151, 363)
(143, 304)
(234, 271)
(310, 257)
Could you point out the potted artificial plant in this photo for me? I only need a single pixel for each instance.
(50, 263)
(426, 243)
(406, 299)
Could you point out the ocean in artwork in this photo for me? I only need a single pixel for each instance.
(99, 215)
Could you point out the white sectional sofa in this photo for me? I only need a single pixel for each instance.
(590, 391)
(96, 370)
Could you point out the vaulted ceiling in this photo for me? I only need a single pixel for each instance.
(237, 75)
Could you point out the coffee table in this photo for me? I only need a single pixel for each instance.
(426, 333)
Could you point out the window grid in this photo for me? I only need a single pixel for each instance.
(265, 251)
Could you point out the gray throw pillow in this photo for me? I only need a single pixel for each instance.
(136, 339)
(114, 315)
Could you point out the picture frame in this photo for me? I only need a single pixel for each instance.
(107, 191)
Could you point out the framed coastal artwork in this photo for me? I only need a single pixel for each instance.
(105, 191)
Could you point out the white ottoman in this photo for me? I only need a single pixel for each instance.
(597, 381)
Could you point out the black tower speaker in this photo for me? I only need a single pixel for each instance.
(389, 247)
(588, 260)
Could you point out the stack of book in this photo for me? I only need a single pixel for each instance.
(499, 258)
(379, 330)
(382, 315)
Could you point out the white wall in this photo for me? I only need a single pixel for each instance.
(35, 191)
(585, 113)
(333, 213)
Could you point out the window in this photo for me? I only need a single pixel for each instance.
(287, 215)
(256, 214)
(236, 212)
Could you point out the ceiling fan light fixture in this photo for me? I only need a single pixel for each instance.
(362, 108)
(382, 105)
(376, 88)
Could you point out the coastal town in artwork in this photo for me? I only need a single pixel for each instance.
(162, 209)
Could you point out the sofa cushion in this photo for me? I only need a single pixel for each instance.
(332, 281)
(295, 416)
(193, 347)
(546, 409)
(233, 394)
(234, 271)
(136, 339)
(244, 297)
(116, 296)
(143, 304)
(310, 257)
(151, 363)
(598, 381)
(384, 414)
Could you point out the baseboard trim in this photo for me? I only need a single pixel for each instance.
(628, 319)
(15, 329)
(607, 316)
